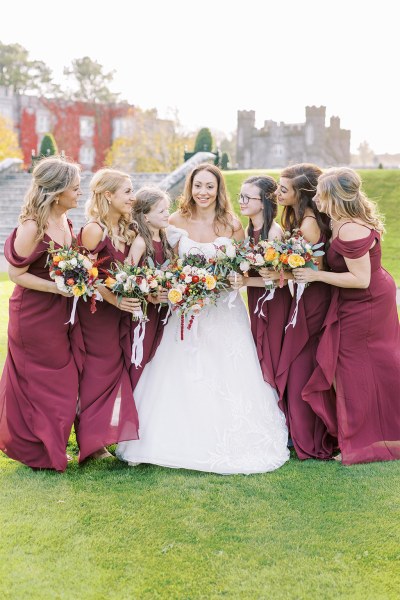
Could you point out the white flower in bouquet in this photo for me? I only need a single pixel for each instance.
(73, 262)
(259, 259)
(144, 286)
(231, 251)
(202, 272)
(196, 308)
(121, 277)
(220, 254)
(179, 262)
(244, 266)
(60, 283)
(187, 270)
(153, 284)
(195, 270)
(127, 286)
(158, 273)
(168, 275)
(188, 279)
(62, 264)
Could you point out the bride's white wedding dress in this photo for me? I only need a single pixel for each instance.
(202, 402)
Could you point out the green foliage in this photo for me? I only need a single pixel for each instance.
(204, 141)
(90, 81)
(48, 146)
(225, 160)
(20, 73)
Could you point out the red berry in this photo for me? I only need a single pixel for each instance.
(195, 278)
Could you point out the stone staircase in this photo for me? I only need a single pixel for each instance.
(13, 187)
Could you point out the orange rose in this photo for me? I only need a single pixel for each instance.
(110, 281)
(270, 255)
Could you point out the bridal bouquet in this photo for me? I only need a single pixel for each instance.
(75, 274)
(230, 258)
(193, 286)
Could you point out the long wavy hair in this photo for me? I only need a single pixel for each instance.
(50, 178)
(97, 208)
(224, 214)
(340, 192)
(267, 186)
(304, 179)
(145, 198)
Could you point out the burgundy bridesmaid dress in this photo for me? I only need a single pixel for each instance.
(154, 326)
(106, 411)
(268, 330)
(297, 362)
(360, 348)
(39, 386)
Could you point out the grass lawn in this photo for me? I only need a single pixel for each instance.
(311, 530)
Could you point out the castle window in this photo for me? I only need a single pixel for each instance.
(278, 150)
(309, 135)
(86, 156)
(42, 122)
(86, 127)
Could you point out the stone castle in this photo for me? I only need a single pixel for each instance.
(277, 145)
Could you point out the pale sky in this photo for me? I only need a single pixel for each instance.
(208, 58)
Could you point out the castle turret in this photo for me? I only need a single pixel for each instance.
(245, 131)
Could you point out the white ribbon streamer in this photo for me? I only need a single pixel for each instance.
(73, 312)
(169, 311)
(230, 299)
(299, 292)
(268, 295)
(291, 286)
(137, 345)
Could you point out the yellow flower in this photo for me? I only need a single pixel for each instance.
(295, 260)
(270, 255)
(174, 296)
(110, 281)
(210, 282)
(79, 290)
(94, 272)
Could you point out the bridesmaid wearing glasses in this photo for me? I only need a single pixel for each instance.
(257, 201)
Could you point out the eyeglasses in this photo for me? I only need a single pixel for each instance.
(246, 199)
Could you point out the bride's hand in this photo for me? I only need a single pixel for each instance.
(236, 281)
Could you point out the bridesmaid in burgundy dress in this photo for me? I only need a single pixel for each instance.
(309, 434)
(39, 386)
(107, 412)
(257, 201)
(360, 346)
(151, 214)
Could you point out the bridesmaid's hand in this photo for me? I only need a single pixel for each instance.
(130, 305)
(269, 274)
(54, 290)
(305, 275)
(236, 281)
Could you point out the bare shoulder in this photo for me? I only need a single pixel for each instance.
(25, 240)
(275, 231)
(92, 234)
(138, 243)
(310, 230)
(177, 220)
(353, 231)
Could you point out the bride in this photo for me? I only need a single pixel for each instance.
(202, 402)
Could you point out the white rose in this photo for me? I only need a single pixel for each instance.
(73, 262)
(127, 286)
(60, 283)
(244, 266)
(153, 284)
(231, 251)
(168, 275)
(61, 264)
(259, 259)
(187, 270)
(120, 277)
(188, 279)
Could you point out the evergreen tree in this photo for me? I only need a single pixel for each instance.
(48, 147)
(225, 160)
(204, 141)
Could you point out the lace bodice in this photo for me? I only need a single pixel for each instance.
(175, 236)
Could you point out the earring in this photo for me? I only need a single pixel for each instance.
(57, 201)
(109, 202)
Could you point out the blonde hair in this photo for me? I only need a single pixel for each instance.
(97, 208)
(145, 199)
(50, 178)
(224, 215)
(341, 195)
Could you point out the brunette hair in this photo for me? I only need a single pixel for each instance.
(224, 214)
(267, 186)
(304, 179)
